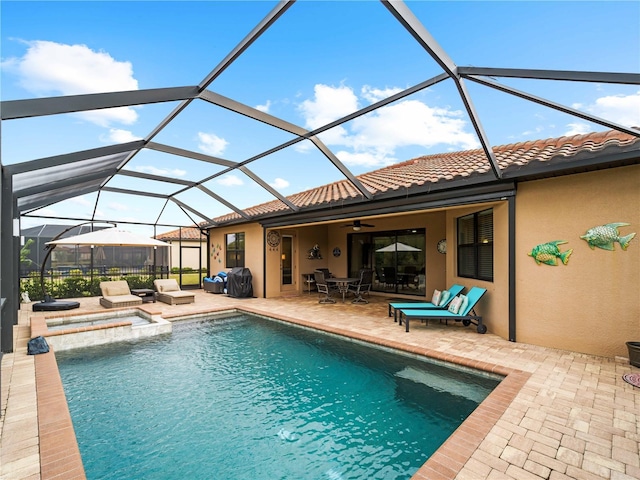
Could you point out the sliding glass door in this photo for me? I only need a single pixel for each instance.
(396, 257)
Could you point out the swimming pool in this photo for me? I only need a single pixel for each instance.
(249, 398)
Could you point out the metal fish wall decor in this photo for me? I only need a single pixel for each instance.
(605, 236)
(548, 253)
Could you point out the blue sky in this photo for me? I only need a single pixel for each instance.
(319, 62)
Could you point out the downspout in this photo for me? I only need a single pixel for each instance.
(264, 262)
(512, 267)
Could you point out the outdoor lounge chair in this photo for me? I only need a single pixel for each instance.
(116, 293)
(466, 315)
(443, 303)
(169, 292)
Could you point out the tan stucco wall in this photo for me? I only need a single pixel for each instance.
(592, 304)
(254, 252)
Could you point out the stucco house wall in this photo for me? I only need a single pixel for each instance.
(592, 304)
(254, 252)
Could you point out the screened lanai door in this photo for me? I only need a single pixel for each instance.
(396, 257)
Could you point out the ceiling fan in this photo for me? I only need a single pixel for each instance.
(357, 225)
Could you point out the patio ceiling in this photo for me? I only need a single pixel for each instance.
(46, 181)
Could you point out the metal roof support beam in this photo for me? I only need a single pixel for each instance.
(251, 112)
(343, 169)
(157, 178)
(554, 105)
(134, 192)
(192, 210)
(406, 17)
(223, 201)
(189, 154)
(567, 75)
(268, 188)
(38, 107)
(246, 42)
(66, 158)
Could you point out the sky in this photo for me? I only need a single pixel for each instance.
(320, 61)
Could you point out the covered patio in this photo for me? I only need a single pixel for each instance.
(558, 414)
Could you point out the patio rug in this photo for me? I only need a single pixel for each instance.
(632, 378)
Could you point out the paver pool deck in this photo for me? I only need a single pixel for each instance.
(558, 414)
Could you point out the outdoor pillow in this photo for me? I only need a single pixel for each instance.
(169, 287)
(436, 297)
(444, 296)
(454, 306)
(117, 288)
(463, 304)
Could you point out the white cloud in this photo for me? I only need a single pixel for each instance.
(372, 140)
(50, 69)
(279, 183)
(621, 109)
(211, 144)
(374, 95)
(328, 104)
(176, 172)
(117, 135)
(577, 129)
(264, 108)
(230, 181)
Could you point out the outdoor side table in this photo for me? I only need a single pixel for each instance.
(146, 294)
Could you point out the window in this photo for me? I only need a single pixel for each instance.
(235, 250)
(475, 245)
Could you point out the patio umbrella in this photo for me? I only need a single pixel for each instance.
(112, 237)
(115, 237)
(398, 247)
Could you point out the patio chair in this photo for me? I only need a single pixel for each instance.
(169, 292)
(466, 313)
(324, 293)
(389, 276)
(363, 287)
(116, 293)
(439, 300)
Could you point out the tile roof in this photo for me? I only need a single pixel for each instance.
(188, 233)
(446, 167)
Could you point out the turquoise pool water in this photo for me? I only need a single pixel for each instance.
(249, 398)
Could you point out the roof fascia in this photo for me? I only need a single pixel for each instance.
(446, 198)
(15, 109)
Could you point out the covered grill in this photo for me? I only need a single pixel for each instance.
(239, 283)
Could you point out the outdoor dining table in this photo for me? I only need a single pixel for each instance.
(342, 283)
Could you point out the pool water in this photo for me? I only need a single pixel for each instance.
(250, 398)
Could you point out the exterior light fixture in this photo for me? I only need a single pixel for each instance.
(357, 228)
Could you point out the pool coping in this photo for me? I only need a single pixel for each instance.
(60, 454)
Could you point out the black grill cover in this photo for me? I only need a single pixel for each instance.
(239, 283)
